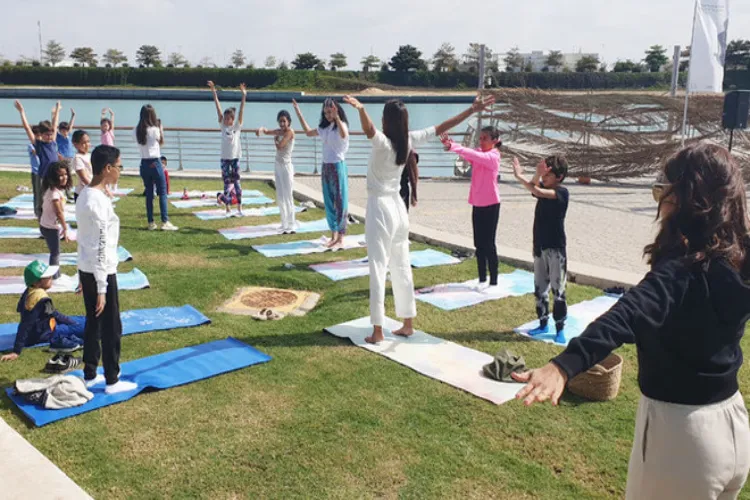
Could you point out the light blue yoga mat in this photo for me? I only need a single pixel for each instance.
(580, 316)
(134, 280)
(356, 268)
(249, 232)
(135, 321)
(66, 259)
(162, 371)
(28, 214)
(195, 194)
(211, 202)
(457, 295)
(309, 246)
(220, 213)
(20, 232)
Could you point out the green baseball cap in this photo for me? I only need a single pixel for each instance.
(38, 270)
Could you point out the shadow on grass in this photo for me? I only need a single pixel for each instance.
(484, 336)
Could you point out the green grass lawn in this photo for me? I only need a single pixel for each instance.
(323, 418)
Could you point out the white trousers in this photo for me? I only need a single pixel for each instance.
(689, 452)
(387, 234)
(284, 175)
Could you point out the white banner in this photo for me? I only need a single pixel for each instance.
(709, 47)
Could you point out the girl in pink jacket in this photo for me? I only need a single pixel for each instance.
(484, 197)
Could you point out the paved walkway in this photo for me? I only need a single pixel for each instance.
(607, 225)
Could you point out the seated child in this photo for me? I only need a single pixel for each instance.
(40, 322)
(166, 174)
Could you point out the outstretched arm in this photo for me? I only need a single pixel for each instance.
(367, 126)
(72, 118)
(309, 132)
(56, 117)
(243, 89)
(479, 104)
(216, 100)
(25, 122)
(112, 119)
(469, 154)
(533, 186)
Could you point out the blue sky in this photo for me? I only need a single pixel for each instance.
(214, 29)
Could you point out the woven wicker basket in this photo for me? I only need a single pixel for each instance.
(600, 383)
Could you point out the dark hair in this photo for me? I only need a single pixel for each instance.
(102, 156)
(163, 159)
(45, 126)
(494, 134)
(284, 114)
(78, 136)
(416, 155)
(230, 111)
(558, 165)
(106, 120)
(396, 128)
(412, 172)
(35, 130)
(148, 119)
(710, 217)
(324, 123)
(64, 126)
(52, 179)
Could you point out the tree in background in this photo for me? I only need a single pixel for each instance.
(738, 55)
(54, 53)
(445, 59)
(148, 56)
(321, 66)
(85, 56)
(270, 62)
(587, 64)
(384, 68)
(307, 60)
(513, 60)
(656, 57)
(627, 66)
(408, 58)
(113, 57)
(207, 62)
(554, 60)
(176, 60)
(283, 66)
(369, 63)
(338, 61)
(471, 58)
(238, 58)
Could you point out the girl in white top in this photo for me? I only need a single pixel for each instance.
(333, 131)
(386, 221)
(149, 134)
(52, 223)
(98, 235)
(231, 148)
(283, 169)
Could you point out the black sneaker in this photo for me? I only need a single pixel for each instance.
(55, 364)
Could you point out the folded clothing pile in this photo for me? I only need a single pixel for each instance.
(54, 393)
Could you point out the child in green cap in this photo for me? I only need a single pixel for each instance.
(40, 321)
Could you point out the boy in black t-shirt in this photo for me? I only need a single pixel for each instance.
(550, 260)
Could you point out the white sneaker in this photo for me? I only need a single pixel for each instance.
(168, 226)
(120, 386)
(95, 381)
(152, 226)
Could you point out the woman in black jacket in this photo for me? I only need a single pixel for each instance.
(687, 318)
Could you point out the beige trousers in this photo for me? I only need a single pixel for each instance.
(689, 452)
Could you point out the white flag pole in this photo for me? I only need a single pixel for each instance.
(687, 83)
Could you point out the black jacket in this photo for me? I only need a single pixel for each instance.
(686, 320)
(36, 325)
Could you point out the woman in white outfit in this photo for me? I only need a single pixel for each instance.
(284, 170)
(386, 221)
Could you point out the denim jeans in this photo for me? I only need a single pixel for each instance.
(152, 174)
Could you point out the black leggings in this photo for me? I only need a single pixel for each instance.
(484, 221)
(52, 237)
(107, 329)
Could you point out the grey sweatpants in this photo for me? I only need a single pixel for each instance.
(551, 272)
(689, 452)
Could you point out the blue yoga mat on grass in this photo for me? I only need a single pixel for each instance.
(135, 321)
(196, 194)
(162, 371)
(579, 317)
(133, 280)
(306, 247)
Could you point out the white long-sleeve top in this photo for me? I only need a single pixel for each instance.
(98, 236)
(383, 174)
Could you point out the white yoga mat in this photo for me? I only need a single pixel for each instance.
(28, 214)
(221, 213)
(436, 358)
(306, 247)
(66, 259)
(211, 202)
(453, 296)
(579, 317)
(249, 232)
(177, 195)
(342, 270)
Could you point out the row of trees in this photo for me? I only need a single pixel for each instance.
(407, 58)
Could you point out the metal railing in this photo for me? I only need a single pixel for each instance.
(199, 149)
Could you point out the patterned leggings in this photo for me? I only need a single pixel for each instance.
(230, 174)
